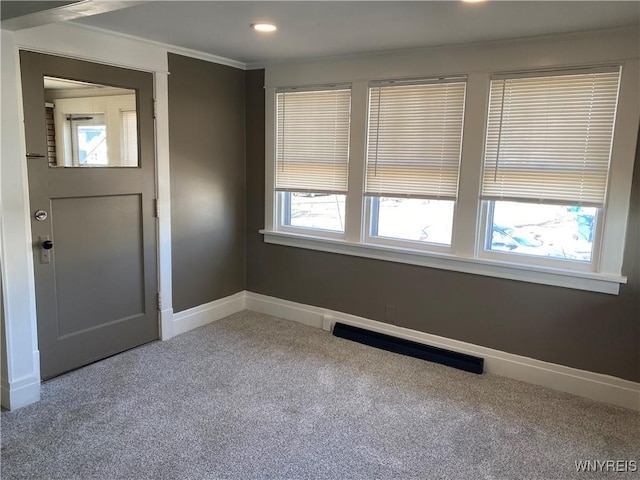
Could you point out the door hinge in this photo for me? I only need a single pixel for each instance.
(159, 302)
(155, 108)
(156, 208)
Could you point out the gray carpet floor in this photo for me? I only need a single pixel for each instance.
(252, 396)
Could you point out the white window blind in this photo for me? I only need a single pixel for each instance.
(129, 139)
(312, 140)
(549, 137)
(414, 139)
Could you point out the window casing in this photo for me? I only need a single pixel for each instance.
(548, 142)
(413, 159)
(312, 158)
(468, 251)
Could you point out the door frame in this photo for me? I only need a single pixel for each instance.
(20, 383)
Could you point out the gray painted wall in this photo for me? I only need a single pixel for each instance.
(591, 331)
(207, 139)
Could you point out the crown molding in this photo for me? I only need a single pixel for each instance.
(187, 52)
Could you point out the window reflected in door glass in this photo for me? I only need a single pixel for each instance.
(90, 125)
(89, 140)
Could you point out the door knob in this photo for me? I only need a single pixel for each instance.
(47, 244)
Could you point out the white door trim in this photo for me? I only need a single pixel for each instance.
(20, 382)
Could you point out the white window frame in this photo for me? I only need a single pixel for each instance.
(369, 201)
(281, 213)
(278, 197)
(580, 266)
(470, 215)
(71, 149)
(403, 243)
(485, 228)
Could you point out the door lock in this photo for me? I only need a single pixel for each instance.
(40, 215)
(45, 249)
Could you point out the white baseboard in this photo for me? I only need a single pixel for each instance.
(596, 386)
(209, 312)
(20, 393)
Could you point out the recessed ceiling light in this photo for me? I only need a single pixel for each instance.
(473, 1)
(263, 27)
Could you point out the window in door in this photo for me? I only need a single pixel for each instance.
(95, 125)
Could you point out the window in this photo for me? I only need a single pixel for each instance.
(413, 158)
(524, 175)
(546, 163)
(97, 131)
(560, 232)
(312, 156)
(88, 139)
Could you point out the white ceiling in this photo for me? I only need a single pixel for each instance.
(18, 15)
(13, 9)
(317, 29)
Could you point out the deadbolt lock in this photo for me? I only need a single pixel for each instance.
(40, 215)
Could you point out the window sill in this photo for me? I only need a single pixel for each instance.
(593, 282)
